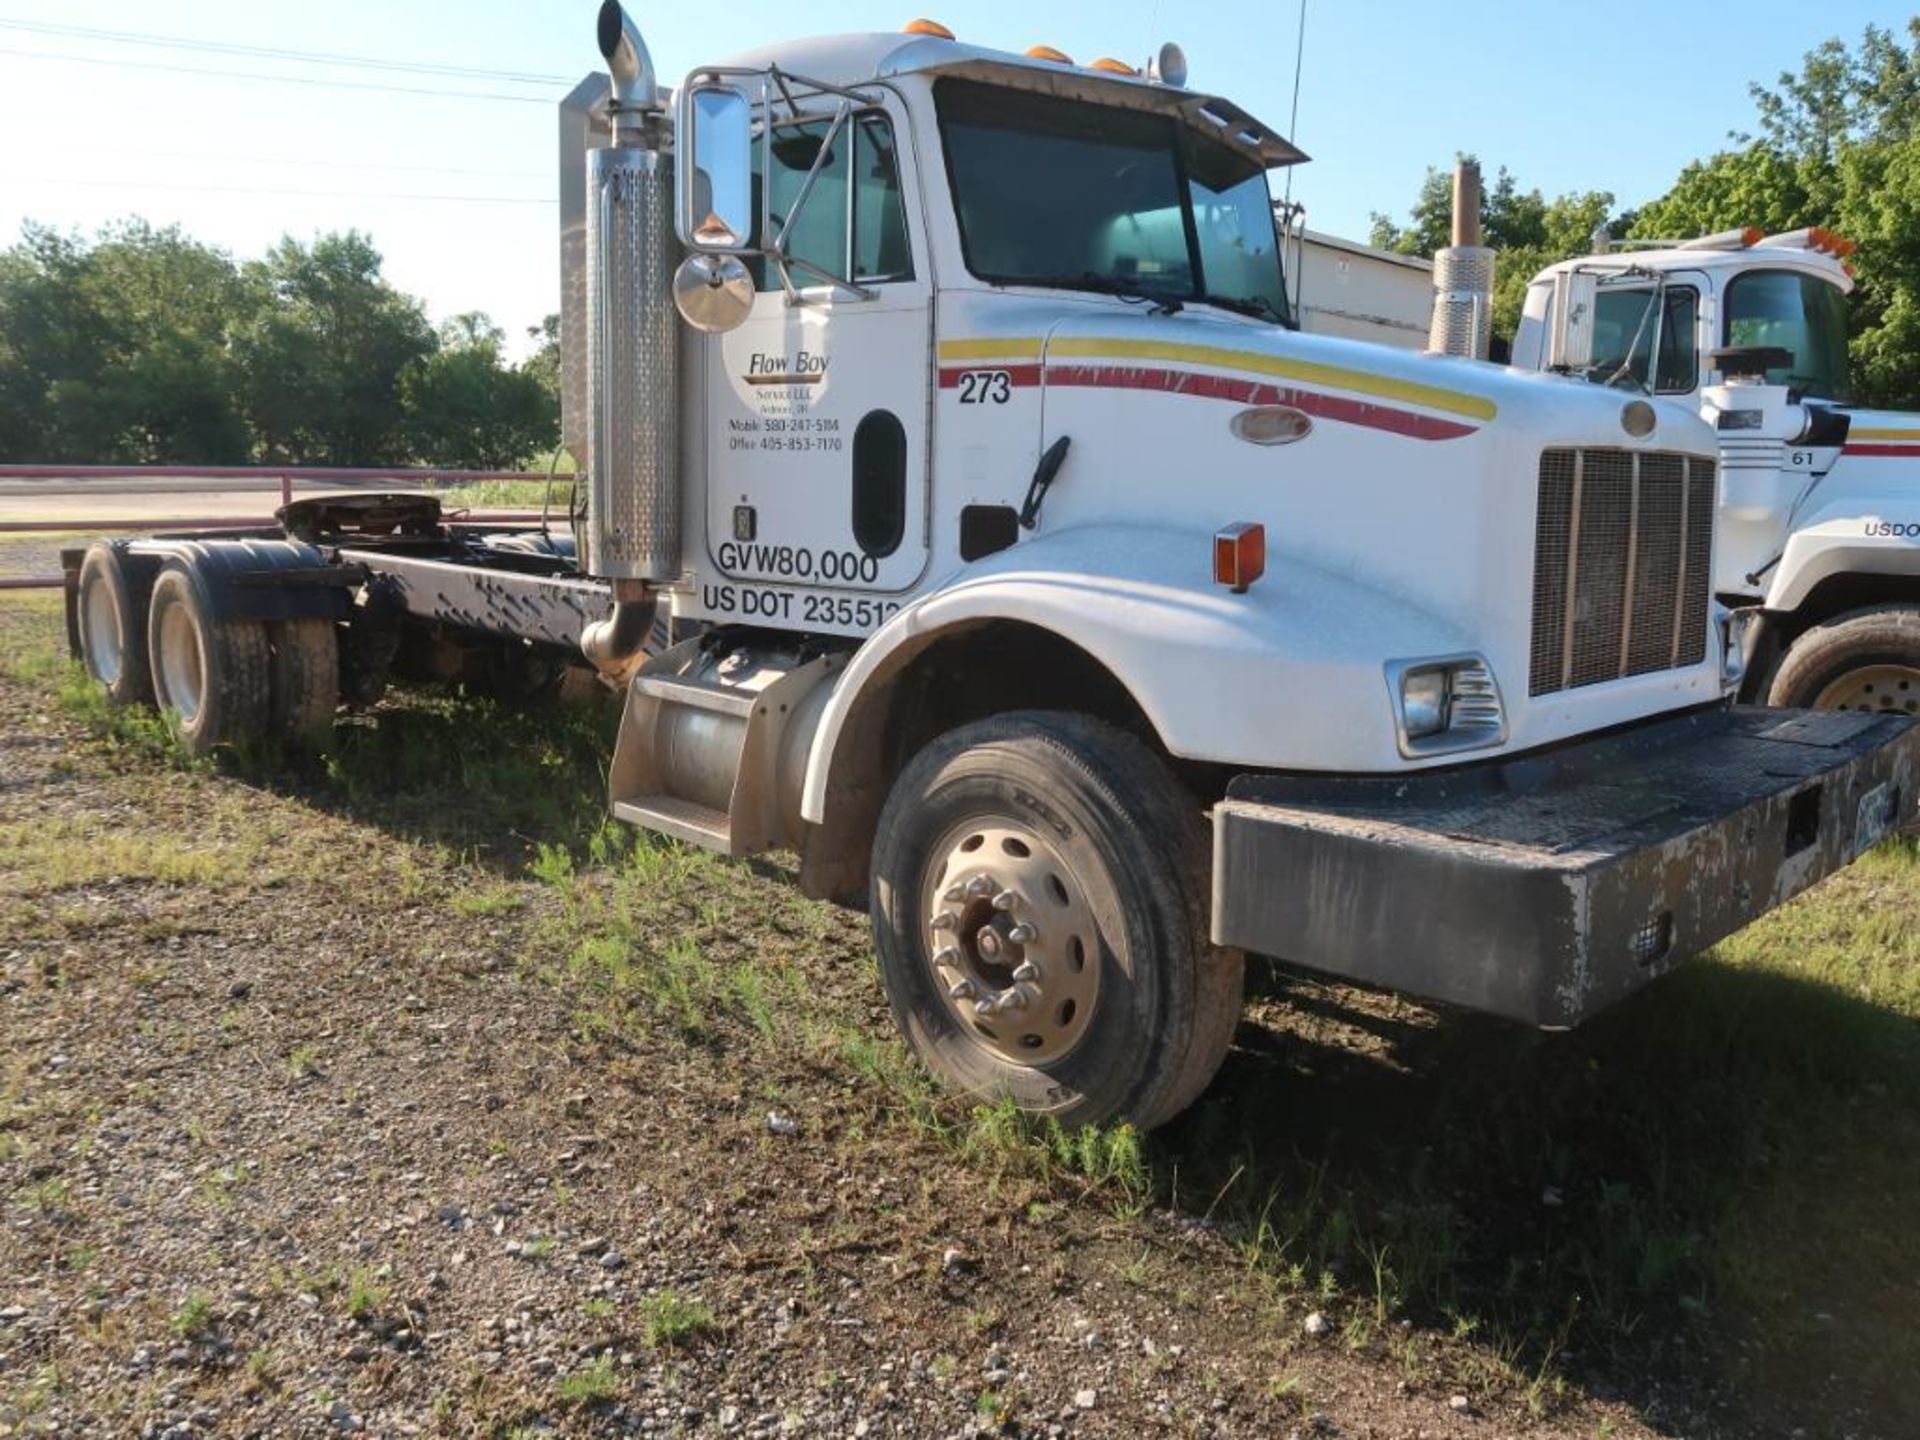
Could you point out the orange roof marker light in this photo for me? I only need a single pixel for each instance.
(1750, 236)
(1047, 52)
(1112, 66)
(927, 27)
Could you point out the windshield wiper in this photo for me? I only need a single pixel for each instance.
(1091, 280)
(1257, 306)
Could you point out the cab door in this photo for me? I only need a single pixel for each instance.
(817, 422)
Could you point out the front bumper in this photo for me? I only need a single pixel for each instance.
(1547, 887)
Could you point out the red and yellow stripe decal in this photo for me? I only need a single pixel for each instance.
(1077, 361)
(1883, 443)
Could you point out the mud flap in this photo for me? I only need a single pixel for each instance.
(1548, 887)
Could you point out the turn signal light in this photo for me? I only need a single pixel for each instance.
(927, 27)
(1047, 52)
(1239, 556)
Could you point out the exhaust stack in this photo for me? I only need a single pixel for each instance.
(1463, 276)
(635, 87)
(632, 352)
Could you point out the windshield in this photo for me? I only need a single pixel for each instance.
(1067, 194)
(1801, 314)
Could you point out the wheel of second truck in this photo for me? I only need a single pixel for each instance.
(212, 675)
(1038, 899)
(1865, 660)
(112, 614)
(304, 685)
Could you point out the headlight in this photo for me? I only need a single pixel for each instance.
(1445, 704)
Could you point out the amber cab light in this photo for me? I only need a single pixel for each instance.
(927, 27)
(1239, 556)
(1048, 53)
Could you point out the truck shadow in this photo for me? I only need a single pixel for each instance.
(1699, 1205)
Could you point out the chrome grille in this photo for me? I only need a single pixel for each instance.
(1623, 550)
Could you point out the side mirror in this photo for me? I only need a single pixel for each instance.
(714, 146)
(1570, 343)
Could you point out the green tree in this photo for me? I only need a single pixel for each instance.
(323, 354)
(467, 408)
(119, 350)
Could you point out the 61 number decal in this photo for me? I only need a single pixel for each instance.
(985, 387)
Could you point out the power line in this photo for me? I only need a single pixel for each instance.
(273, 190)
(272, 79)
(267, 52)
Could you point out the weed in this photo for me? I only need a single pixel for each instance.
(597, 1307)
(365, 1294)
(487, 903)
(193, 1319)
(303, 1061)
(669, 1320)
(539, 1250)
(591, 1385)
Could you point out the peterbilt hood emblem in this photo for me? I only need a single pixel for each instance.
(1271, 425)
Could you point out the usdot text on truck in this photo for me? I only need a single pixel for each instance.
(1027, 573)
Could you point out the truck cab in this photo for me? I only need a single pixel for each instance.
(1819, 527)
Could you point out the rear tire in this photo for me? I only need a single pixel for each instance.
(212, 675)
(1864, 660)
(112, 626)
(305, 684)
(1054, 858)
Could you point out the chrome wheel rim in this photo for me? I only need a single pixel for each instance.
(1011, 940)
(182, 666)
(100, 624)
(1881, 689)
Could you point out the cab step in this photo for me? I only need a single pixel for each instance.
(714, 742)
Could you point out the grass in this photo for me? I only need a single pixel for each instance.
(593, 1384)
(671, 1321)
(193, 1319)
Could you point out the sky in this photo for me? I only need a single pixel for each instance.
(456, 184)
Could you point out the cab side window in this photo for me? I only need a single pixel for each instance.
(860, 237)
(1623, 334)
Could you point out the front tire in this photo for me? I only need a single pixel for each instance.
(1039, 909)
(1865, 660)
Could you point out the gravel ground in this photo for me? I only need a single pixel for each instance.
(307, 1128)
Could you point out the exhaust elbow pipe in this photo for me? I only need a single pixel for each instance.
(615, 643)
(635, 86)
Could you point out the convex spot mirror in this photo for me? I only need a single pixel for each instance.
(715, 154)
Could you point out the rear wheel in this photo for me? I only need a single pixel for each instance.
(112, 626)
(1039, 912)
(1866, 660)
(305, 683)
(212, 675)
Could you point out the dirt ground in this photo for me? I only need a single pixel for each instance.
(395, 1098)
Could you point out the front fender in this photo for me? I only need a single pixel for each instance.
(1288, 676)
(1883, 539)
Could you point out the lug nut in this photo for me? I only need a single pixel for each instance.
(955, 894)
(1026, 970)
(1006, 900)
(1013, 1000)
(1022, 934)
(945, 920)
(961, 990)
(979, 885)
(950, 955)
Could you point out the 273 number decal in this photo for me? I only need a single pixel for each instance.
(985, 387)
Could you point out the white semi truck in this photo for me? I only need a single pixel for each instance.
(1035, 580)
(1820, 500)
